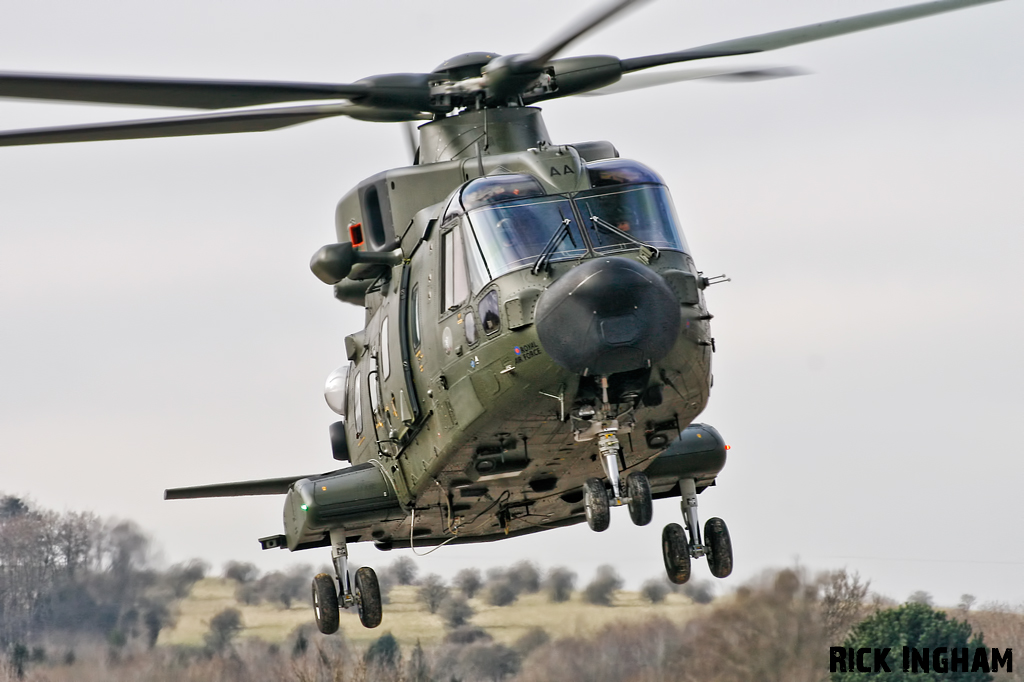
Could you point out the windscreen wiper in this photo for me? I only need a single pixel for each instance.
(608, 227)
(549, 249)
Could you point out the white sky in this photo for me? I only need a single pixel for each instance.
(159, 325)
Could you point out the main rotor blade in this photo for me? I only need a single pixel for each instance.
(639, 81)
(237, 121)
(170, 92)
(802, 34)
(265, 486)
(546, 52)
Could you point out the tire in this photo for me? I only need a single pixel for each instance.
(675, 550)
(641, 508)
(325, 604)
(368, 597)
(716, 535)
(595, 505)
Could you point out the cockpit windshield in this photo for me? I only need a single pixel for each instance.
(512, 231)
(628, 198)
(517, 225)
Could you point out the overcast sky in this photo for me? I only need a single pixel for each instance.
(159, 325)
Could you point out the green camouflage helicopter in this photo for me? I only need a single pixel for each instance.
(537, 343)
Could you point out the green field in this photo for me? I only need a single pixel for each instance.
(408, 620)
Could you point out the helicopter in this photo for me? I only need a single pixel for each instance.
(480, 403)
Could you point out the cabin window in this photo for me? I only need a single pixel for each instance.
(385, 356)
(489, 314)
(470, 324)
(456, 285)
(357, 394)
(414, 314)
(373, 379)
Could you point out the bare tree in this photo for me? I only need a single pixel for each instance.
(842, 602)
(432, 592)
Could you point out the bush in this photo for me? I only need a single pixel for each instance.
(467, 635)
(560, 583)
(404, 570)
(489, 662)
(654, 590)
(534, 638)
(181, 577)
(603, 586)
(456, 611)
(285, 587)
(384, 652)
(700, 591)
(432, 592)
(501, 592)
(920, 597)
(241, 572)
(468, 581)
(224, 627)
(914, 625)
(525, 577)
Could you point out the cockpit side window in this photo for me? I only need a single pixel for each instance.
(454, 280)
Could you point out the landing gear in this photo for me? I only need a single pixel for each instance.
(677, 551)
(638, 488)
(325, 604)
(327, 599)
(719, 547)
(635, 491)
(595, 505)
(368, 597)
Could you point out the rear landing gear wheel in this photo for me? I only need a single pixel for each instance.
(325, 604)
(595, 504)
(368, 597)
(676, 553)
(638, 488)
(716, 535)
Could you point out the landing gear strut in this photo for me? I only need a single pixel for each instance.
(677, 550)
(364, 595)
(634, 492)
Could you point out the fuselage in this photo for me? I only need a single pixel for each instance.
(543, 293)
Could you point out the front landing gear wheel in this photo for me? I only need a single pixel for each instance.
(638, 489)
(676, 552)
(595, 504)
(325, 604)
(368, 597)
(716, 535)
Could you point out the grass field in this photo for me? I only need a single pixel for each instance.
(409, 621)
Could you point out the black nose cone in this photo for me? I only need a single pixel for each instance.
(608, 315)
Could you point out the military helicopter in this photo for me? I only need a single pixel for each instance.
(537, 343)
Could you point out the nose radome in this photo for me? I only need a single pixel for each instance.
(608, 315)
